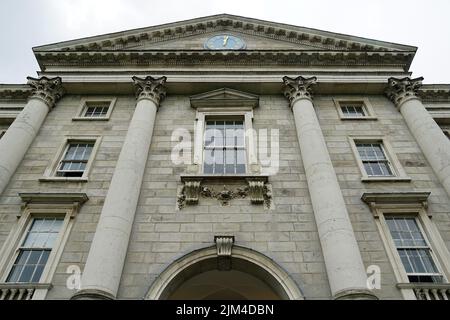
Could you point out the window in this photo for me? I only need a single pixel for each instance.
(75, 159)
(95, 108)
(224, 147)
(31, 252)
(377, 160)
(374, 159)
(351, 108)
(225, 142)
(2, 133)
(413, 249)
(419, 257)
(35, 250)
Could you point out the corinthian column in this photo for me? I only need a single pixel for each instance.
(104, 265)
(434, 144)
(19, 136)
(345, 269)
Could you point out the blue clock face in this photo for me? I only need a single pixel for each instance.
(224, 42)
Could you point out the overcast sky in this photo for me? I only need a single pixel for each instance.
(28, 23)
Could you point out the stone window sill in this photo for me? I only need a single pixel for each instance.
(90, 119)
(63, 179)
(385, 179)
(370, 118)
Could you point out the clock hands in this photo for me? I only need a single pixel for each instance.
(225, 39)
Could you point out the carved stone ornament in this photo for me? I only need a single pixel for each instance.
(49, 90)
(257, 190)
(401, 89)
(224, 245)
(298, 88)
(150, 88)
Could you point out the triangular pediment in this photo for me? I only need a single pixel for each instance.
(224, 97)
(192, 34)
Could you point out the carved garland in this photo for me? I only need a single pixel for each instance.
(257, 190)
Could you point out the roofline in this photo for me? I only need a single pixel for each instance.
(225, 15)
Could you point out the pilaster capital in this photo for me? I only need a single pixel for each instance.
(49, 90)
(150, 88)
(402, 89)
(298, 88)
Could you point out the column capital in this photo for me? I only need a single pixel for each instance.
(298, 88)
(49, 90)
(400, 90)
(150, 88)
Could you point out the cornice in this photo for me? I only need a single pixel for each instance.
(378, 198)
(434, 93)
(14, 92)
(170, 58)
(289, 33)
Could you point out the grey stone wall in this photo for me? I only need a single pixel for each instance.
(287, 234)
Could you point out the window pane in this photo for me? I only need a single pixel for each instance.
(219, 134)
(208, 163)
(15, 273)
(413, 249)
(221, 138)
(37, 273)
(230, 158)
(405, 232)
(219, 161)
(353, 110)
(240, 166)
(26, 274)
(209, 135)
(34, 257)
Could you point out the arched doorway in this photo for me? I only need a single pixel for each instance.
(200, 276)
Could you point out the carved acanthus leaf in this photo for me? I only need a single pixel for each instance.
(49, 90)
(401, 89)
(297, 88)
(150, 88)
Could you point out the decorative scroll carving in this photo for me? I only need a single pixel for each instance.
(298, 88)
(257, 190)
(49, 90)
(150, 88)
(401, 89)
(191, 191)
(224, 246)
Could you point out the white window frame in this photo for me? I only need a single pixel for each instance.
(398, 172)
(64, 206)
(85, 103)
(364, 102)
(199, 133)
(439, 252)
(50, 172)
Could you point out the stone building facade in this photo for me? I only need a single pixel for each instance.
(119, 180)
